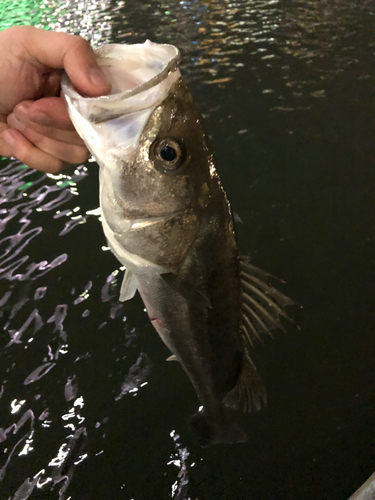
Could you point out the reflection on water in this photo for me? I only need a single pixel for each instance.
(34, 339)
(179, 460)
(89, 409)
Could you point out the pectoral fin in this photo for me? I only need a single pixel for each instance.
(129, 286)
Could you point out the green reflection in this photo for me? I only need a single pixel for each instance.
(25, 186)
(20, 167)
(66, 183)
(21, 12)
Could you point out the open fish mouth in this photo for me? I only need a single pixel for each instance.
(132, 70)
(141, 76)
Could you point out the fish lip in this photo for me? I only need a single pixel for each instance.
(141, 220)
(155, 218)
(170, 67)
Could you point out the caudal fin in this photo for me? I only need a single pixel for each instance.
(206, 433)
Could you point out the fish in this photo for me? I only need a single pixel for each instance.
(167, 219)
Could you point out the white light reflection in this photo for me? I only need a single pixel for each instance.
(40, 481)
(179, 460)
(56, 177)
(96, 212)
(43, 482)
(81, 459)
(16, 405)
(27, 447)
(78, 403)
(61, 455)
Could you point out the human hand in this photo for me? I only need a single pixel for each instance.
(34, 124)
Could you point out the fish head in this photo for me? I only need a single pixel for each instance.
(170, 172)
(165, 187)
(156, 166)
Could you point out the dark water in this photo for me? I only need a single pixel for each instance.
(89, 409)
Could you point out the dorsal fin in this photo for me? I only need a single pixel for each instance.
(261, 303)
(261, 308)
(249, 392)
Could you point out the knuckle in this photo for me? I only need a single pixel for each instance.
(54, 166)
(79, 44)
(80, 155)
(34, 137)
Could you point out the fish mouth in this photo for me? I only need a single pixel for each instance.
(148, 221)
(142, 222)
(132, 69)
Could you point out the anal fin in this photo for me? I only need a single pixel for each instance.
(249, 392)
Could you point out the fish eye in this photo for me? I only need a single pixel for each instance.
(167, 154)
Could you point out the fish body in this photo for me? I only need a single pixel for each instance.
(167, 219)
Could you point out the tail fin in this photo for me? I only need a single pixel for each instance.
(206, 433)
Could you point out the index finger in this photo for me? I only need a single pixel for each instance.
(48, 111)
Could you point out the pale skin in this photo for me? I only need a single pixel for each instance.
(34, 123)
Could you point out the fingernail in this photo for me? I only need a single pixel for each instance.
(14, 123)
(7, 136)
(22, 111)
(97, 77)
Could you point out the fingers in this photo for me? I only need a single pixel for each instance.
(49, 113)
(65, 151)
(39, 133)
(34, 136)
(30, 155)
(74, 54)
(5, 149)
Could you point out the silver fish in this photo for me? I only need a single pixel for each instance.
(167, 219)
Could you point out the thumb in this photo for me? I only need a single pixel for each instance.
(72, 53)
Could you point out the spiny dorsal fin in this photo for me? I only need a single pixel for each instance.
(173, 357)
(249, 392)
(261, 303)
